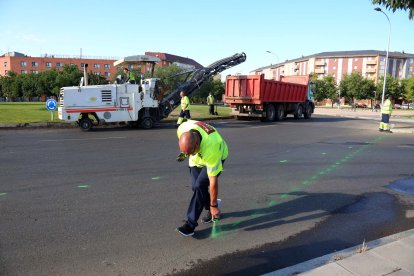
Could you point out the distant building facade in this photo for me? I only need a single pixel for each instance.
(23, 64)
(370, 63)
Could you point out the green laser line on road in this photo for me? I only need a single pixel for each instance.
(217, 231)
(83, 186)
(3, 194)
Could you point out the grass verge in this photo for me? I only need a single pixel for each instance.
(36, 112)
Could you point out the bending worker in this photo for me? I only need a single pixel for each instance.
(386, 111)
(129, 76)
(185, 108)
(207, 152)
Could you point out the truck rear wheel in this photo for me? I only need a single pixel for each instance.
(85, 124)
(280, 112)
(298, 112)
(270, 113)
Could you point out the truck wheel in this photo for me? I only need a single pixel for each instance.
(308, 113)
(299, 112)
(85, 124)
(270, 113)
(280, 112)
(147, 123)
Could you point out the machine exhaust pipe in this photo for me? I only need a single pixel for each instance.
(85, 74)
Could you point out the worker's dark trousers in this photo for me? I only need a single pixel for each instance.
(201, 194)
(211, 109)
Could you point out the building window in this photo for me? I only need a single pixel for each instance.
(107, 66)
(59, 64)
(97, 73)
(48, 64)
(356, 59)
(34, 64)
(35, 72)
(24, 71)
(5, 64)
(23, 63)
(96, 66)
(107, 74)
(82, 65)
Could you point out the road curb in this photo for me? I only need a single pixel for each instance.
(340, 255)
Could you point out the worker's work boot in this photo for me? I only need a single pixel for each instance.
(186, 230)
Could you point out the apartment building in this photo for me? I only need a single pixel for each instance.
(370, 63)
(24, 64)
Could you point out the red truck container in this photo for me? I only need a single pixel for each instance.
(270, 100)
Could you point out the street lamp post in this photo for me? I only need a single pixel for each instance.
(270, 52)
(386, 59)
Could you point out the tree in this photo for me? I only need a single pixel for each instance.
(354, 86)
(326, 89)
(393, 87)
(409, 89)
(397, 5)
(170, 76)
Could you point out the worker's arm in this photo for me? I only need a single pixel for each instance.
(215, 212)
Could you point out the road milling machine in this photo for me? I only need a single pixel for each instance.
(141, 104)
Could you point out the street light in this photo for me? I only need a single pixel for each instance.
(386, 59)
(270, 52)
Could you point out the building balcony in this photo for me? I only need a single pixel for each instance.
(320, 71)
(319, 63)
(371, 70)
(372, 62)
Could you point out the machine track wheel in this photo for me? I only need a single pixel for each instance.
(147, 123)
(85, 124)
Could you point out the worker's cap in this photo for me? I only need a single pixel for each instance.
(188, 143)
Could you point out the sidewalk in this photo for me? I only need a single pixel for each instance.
(392, 255)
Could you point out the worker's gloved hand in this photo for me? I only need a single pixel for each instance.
(181, 157)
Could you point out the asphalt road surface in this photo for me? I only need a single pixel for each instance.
(107, 202)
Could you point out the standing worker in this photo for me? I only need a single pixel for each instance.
(129, 76)
(185, 108)
(207, 152)
(210, 102)
(386, 111)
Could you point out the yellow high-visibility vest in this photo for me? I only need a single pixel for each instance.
(213, 148)
(386, 107)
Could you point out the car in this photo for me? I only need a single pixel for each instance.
(360, 105)
(407, 106)
(396, 106)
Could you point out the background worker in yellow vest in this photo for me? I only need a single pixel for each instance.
(207, 152)
(210, 102)
(129, 76)
(185, 108)
(386, 111)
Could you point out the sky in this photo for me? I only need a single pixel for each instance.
(205, 31)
